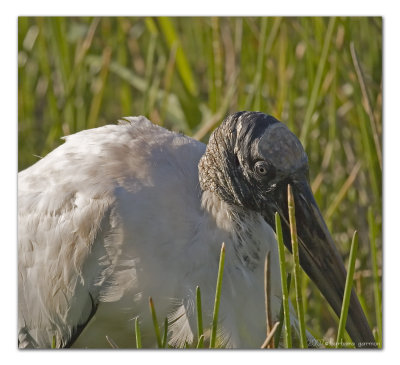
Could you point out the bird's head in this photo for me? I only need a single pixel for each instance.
(249, 162)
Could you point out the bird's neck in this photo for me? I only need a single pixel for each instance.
(243, 227)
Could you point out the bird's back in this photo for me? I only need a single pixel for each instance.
(91, 216)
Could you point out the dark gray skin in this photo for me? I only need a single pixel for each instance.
(250, 160)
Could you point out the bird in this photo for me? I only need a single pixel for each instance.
(128, 211)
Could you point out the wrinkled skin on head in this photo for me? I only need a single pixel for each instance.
(249, 162)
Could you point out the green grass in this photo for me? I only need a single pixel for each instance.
(347, 290)
(155, 323)
(285, 296)
(138, 335)
(297, 272)
(320, 76)
(200, 335)
(213, 338)
(376, 279)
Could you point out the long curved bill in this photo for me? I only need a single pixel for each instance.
(320, 259)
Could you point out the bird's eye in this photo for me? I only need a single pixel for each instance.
(261, 168)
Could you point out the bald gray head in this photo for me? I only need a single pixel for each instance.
(282, 148)
(250, 159)
(247, 157)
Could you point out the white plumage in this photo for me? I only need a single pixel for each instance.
(116, 215)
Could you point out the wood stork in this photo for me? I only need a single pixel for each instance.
(123, 212)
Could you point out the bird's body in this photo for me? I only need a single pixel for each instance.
(125, 212)
(119, 217)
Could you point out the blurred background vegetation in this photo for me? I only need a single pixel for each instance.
(320, 76)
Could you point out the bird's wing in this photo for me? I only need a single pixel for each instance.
(60, 210)
(73, 209)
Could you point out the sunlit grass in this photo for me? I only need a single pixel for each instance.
(155, 323)
(347, 291)
(297, 272)
(200, 335)
(285, 296)
(213, 338)
(138, 335)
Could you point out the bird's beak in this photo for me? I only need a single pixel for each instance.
(320, 259)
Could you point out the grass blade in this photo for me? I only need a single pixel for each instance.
(164, 342)
(200, 343)
(98, 95)
(213, 337)
(285, 298)
(137, 334)
(267, 292)
(155, 323)
(270, 336)
(343, 190)
(182, 64)
(347, 290)
(281, 317)
(111, 342)
(216, 65)
(167, 80)
(374, 257)
(60, 47)
(317, 83)
(278, 331)
(297, 271)
(199, 317)
(367, 103)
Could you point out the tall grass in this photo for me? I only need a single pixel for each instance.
(320, 76)
(297, 272)
(347, 290)
(285, 288)
(213, 338)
